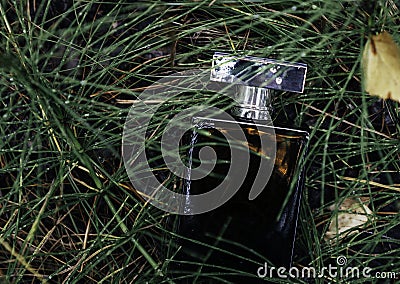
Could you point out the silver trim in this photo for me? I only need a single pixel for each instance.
(197, 119)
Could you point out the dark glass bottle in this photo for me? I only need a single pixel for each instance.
(231, 242)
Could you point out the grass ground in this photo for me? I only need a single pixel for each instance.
(69, 73)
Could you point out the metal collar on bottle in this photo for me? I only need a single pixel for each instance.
(253, 103)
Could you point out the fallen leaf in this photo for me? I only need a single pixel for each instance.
(350, 213)
(381, 67)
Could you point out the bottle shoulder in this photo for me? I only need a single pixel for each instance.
(285, 127)
(267, 126)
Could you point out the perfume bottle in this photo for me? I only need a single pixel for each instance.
(251, 228)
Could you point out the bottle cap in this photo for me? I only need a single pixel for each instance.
(258, 72)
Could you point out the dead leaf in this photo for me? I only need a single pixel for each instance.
(381, 67)
(352, 213)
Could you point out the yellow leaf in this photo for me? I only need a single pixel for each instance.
(381, 67)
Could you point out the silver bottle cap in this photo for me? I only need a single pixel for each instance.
(255, 79)
(258, 72)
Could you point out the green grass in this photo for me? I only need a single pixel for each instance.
(70, 72)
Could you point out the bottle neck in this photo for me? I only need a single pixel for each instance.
(253, 103)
